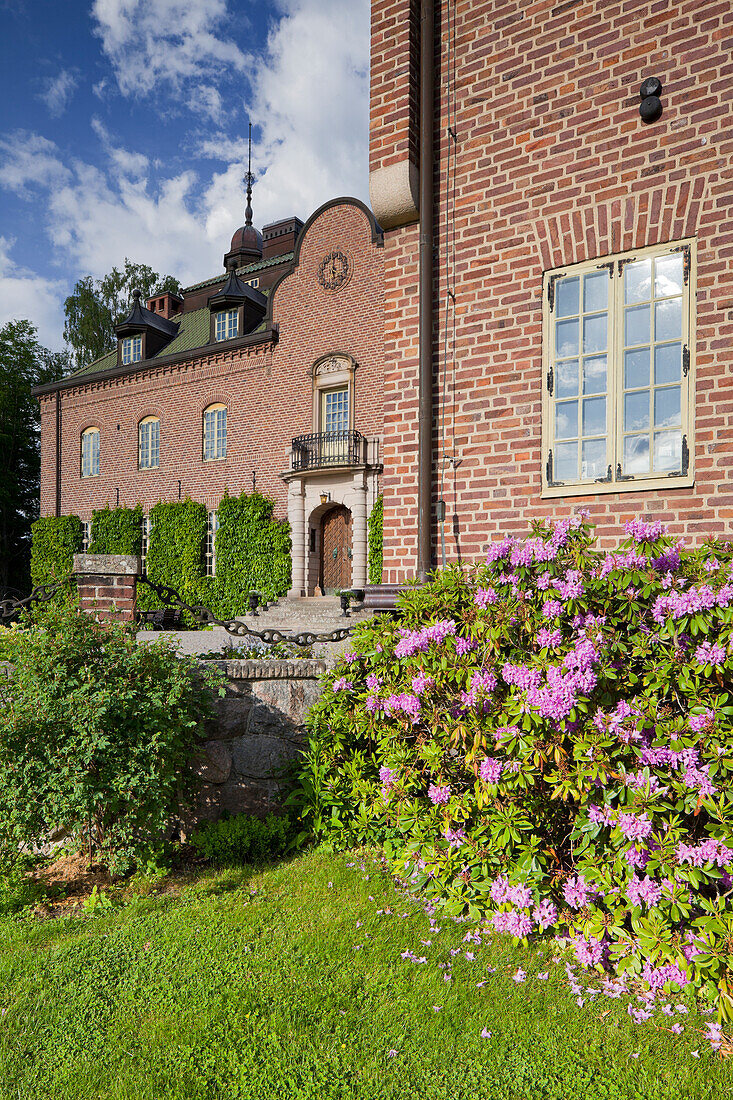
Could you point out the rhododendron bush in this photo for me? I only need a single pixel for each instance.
(545, 740)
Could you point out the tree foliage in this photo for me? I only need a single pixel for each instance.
(23, 364)
(96, 306)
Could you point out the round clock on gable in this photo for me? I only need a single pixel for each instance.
(334, 270)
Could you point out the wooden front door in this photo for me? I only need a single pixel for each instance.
(336, 549)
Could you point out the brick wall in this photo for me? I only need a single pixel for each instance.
(267, 389)
(554, 166)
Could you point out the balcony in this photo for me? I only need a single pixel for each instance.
(322, 450)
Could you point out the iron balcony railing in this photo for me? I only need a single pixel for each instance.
(310, 452)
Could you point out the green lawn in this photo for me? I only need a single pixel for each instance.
(256, 985)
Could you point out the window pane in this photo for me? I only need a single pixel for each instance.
(636, 411)
(594, 374)
(668, 319)
(567, 297)
(593, 462)
(637, 325)
(667, 407)
(636, 368)
(566, 419)
(636, 454)
(668, 451)
(594, 416)
(594, 333)
(567, 378)
(566, 462)
(637, 281)
(566, 339)
(668, 276)
(667, 363)
(595, 292)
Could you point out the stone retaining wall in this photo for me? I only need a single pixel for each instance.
(259, 727)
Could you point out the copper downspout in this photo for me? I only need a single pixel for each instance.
(425, 374)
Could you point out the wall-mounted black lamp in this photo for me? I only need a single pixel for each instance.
(651, 105)
(253, 599)
(179, 488)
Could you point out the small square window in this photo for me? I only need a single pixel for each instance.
(226, 324)
(132, 350)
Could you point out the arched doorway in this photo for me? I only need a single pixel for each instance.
(336, 549)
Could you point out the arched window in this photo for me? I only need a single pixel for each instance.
(215, 432)
(149, 443)
(90, 452)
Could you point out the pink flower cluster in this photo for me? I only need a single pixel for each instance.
(464, 645)
(490, 770)
(707, 851)
(589, 952)
(545, 914)
(512, 921)
(551, 609)
(633, 827)
(483, 683)
(678, 604)
(342, 684)
(644, 890)
(373, 682)
(658, 976)
(710, 653)
(572, 587)
(547, 638)
(455, 837)
(522, 676)
(484, 596)
(577, 892)
(700, 722)
(405, 702)
(418, 641)
(439, 796)
(640, 531)
(421, 683)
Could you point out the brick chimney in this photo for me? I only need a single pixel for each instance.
(167, 305)
(280, 237)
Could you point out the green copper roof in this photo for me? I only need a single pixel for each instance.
(104, 363)
(250, 269)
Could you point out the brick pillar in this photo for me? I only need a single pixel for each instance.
(107, 585)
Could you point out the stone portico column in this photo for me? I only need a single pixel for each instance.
(296, 518)
(359, 547)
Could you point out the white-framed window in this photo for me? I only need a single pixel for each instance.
(617, 407)
(86, 535)
(149, 443)
(215, 432)
(253, 282)
(132, 349)
(145, 540)
(335, 410)
(212, 526)
(226, 324)
(90, 452)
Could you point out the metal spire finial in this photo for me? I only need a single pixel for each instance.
(249, 180)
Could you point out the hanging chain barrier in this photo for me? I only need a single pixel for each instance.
(10, 608)
(206, 617)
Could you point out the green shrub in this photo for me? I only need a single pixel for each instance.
(243, 839)
(175, 551)
(96, 732)
(117, 531)
(376, 529)
(547, 740)
(54, 541)
(252, 553)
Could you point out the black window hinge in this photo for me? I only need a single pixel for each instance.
(551, 288)
(685, 456)
(685, 360)
(609, 475)
(550, 381)
(621, 264)
(548, 470)
(686, 260)
(609, 266)
(622, 477)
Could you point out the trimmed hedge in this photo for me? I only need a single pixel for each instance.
(252, 553)
(376, 533)
(54, 541)
(117, 531)
(175, 550)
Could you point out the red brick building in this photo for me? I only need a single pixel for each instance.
(267, 376)
(585, 358)
(579, 303)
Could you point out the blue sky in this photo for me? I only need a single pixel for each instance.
(123, 132)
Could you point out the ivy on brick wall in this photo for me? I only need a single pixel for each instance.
(54, 541)
(117, 531)
(252, 553)
(376, 531)
(175, 550)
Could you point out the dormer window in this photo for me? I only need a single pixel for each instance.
(227, 324)
(132, 349)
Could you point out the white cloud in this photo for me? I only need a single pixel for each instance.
(28, 160)
(58, 90)
(180, 47)
(26, 295)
